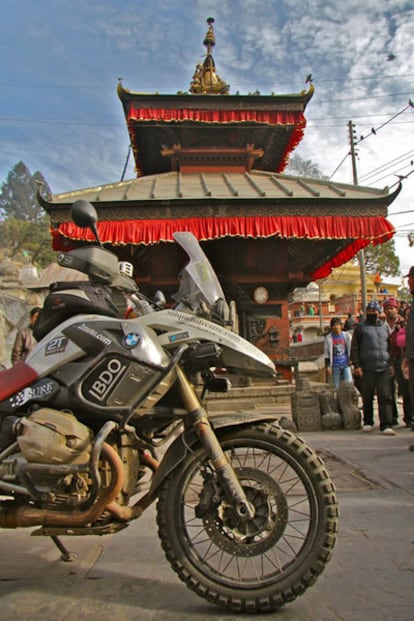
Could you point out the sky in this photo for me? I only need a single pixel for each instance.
(61, 62)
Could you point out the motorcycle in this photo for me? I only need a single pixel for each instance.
(106, 416)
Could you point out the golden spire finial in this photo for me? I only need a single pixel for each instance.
(210, 39)
(205, 79)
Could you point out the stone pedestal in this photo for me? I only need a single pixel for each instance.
(306, 411)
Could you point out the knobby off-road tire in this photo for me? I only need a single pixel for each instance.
(259, 565)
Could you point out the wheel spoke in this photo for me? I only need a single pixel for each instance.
(223, 550)
(206, 539)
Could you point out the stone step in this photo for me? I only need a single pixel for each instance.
(250, 397)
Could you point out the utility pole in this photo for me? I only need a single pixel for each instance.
(361, 253)
(320, 307)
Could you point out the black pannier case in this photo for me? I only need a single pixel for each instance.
(68, 299)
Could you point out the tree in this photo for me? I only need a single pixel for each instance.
(18, 194)
(24, 226)
(382, 259)
(23, 240)
(304, 168)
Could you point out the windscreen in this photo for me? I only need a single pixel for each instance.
(198, 281)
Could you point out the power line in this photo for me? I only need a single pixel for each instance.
(321, 125)
(371, 97)
(272, 84)
(60, 122)
(238, 83)
(355, 116)
(383, 167)
(310, 123)
(394, 160)
(373, 132)
(364, 78)
(401, 177)
(400, 213)
(340, 164)
(96, 124)
(396, 173)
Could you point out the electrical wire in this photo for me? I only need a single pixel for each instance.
(400, 213)
(395, 173)
(400, 173)
(383, 167)
(340, 164)
(369, 96)
(401, 177)
(126, 162)
(373, 132)
(60, 122)
(269, 83)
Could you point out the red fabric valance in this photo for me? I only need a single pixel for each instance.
(269, 117)
(346, 254)
(360, 231)
(294, 119)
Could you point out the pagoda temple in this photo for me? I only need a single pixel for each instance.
(212, 163)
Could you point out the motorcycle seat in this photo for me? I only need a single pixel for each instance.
(14, 379)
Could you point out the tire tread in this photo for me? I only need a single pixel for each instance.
(321, 554)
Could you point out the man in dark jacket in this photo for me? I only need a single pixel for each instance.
(371, 360)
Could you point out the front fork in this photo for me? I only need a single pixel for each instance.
(224, 470)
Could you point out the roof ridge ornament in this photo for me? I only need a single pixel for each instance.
(205, 80)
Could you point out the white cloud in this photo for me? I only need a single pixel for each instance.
(64, 60)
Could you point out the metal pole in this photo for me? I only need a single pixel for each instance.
(320, 309)
(361, 253)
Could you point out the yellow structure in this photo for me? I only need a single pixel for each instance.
(334, 296)
(346, 280)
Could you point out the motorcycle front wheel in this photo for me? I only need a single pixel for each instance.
(253, 565)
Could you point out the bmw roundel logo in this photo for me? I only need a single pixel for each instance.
(131, 340)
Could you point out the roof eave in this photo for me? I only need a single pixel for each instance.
(67, 198)
(126, 96)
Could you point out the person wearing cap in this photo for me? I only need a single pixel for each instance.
(371, 359)
(407, 363)
(337, 351)
(395, 323)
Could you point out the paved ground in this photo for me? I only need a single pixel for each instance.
(125, 576)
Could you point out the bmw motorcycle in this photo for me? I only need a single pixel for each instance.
(106, 416)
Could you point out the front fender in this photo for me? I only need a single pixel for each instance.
(179, 448)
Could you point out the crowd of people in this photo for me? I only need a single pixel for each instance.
(376, 353)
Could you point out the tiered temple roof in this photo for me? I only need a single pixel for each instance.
(211, 163)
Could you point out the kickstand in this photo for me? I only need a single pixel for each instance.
(66, 556)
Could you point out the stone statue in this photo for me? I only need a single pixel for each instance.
(331, 418)
(347, 397)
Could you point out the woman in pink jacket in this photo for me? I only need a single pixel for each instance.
(404, 380)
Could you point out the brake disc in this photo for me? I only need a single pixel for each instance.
(250, 537)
